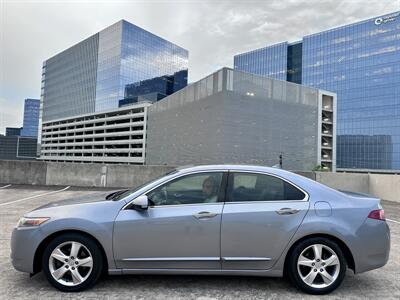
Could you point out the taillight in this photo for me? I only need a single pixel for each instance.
(378, 214)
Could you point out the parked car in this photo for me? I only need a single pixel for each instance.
(219, 220)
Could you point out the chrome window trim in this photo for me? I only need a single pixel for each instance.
(305, 199)
(189, 204)
(264, 202)
(173, 178)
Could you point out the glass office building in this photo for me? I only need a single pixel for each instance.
(13, 131)
(270, 61)
(92, 75)
(31, 118)
(18, 148)
(361, 63)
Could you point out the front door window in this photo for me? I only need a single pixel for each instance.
(190, 189)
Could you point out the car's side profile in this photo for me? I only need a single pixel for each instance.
(217, 220)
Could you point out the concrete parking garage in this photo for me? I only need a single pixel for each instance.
(15, 200)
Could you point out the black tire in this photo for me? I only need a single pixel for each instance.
(294, 275)
(95, 252)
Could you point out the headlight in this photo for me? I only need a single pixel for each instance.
(28, 222)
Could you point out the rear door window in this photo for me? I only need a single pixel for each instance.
(260, 187)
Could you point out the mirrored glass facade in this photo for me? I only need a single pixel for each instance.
(93, 75)
(13, 131)
(31, 118)
(69, 81)
(294, 62)
(130, 58)
(361, 63)
(109, 68)
(153, 89)
(270, 61)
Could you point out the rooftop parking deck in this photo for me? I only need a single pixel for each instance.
(15, 200)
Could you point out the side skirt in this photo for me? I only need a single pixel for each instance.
(262, 273)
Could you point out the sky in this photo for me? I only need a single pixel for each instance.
(212, 31)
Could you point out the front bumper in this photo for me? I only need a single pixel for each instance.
(24, 242)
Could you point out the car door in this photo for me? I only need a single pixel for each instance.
(180, 229)
(261, 215)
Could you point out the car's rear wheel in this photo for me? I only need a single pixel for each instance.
(317, 266)
(72, 262)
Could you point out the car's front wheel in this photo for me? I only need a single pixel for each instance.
(317, 266)
(72, 262)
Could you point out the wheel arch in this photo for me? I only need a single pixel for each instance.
(346, 250)
(37, 261)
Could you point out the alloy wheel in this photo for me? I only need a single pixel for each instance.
(318, 266)
(70, 263)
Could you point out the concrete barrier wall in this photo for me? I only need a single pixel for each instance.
(310, 175)
(386, 187)
(22, 172)
(383, 186)
(74, 174)
(132, 176)
(353, 182)
(102, 175)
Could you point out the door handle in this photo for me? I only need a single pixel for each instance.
(287, 211)
(204, 215)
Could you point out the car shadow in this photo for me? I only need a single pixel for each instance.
(194, 286)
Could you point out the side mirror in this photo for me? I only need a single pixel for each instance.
(140, 203)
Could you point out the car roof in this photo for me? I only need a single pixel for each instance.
(238, 167)
(306, 184)
(288, 175)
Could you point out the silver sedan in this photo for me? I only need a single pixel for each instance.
(217, 220)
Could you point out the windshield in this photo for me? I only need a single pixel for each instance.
(124, 193)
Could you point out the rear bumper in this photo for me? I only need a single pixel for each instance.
(373, 247)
